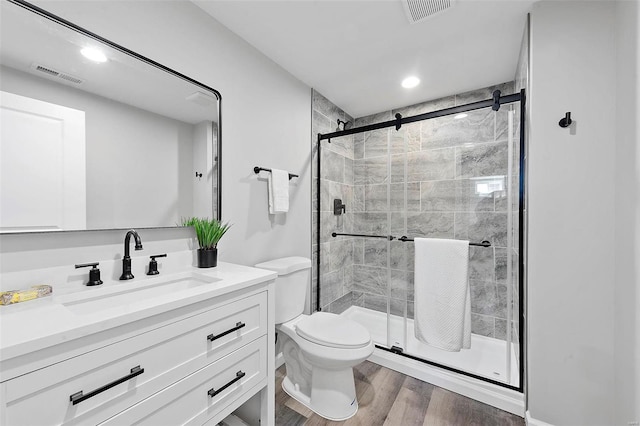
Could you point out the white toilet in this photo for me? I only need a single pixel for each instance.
(319, 350)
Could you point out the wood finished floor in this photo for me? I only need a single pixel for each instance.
(389, 398)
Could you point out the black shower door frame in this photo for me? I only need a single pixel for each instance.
(495, 103)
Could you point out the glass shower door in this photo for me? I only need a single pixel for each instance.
(397, 261)
(403, 199)
(455, 176)
(380, 265)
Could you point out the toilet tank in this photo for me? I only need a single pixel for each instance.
(291, 285)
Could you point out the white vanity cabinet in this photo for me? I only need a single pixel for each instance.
(190, 365)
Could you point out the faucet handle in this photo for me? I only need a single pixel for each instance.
(339, 207)
(94, 273)
(84, 265)
(153, 264)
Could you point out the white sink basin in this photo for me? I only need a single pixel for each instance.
(132, 292)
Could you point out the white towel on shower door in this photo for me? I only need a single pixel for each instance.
(278, 183)
(442, 302)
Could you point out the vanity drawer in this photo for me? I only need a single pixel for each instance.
(200, 396)
(164, 356)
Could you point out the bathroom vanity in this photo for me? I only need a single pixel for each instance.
(188, 346)
(184, 348)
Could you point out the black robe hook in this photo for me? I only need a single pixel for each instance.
(566, 121)
(398, 121)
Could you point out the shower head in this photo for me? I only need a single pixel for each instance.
(344, 125)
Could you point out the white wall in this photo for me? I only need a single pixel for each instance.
(627, 270)
(572, 178)
(266, 118)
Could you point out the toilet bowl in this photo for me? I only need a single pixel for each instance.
(320, 362)
(319, 350)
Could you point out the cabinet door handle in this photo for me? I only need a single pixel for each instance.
(78, 397)
(238, 326)
(239, 375)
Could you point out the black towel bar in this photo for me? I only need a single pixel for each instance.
(257, 170)
(404, 238)
(484, 243)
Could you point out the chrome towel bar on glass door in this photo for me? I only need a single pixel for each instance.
(404, 238)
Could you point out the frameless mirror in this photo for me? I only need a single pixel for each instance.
(94, 136)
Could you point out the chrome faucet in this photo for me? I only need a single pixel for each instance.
(126, 260)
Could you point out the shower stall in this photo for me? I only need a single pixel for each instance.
(450, 168)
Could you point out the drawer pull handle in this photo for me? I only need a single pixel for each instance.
(239, 375)
(238, 326)
(78, 397)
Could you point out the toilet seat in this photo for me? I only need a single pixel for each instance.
(333, 331)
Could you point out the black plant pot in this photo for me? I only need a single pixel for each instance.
(207, 258)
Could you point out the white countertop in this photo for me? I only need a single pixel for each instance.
(37, 324)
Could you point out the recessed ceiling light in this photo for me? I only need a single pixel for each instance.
(459, 116)
(410, 82)
(93, 54)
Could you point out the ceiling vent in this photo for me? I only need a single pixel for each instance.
(419, 10)
(54, 74)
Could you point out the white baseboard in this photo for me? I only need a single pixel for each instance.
(530, 421)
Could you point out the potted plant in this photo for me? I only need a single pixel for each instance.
(209, 232)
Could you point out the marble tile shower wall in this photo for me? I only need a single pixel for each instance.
(336, 254)
(434, 170)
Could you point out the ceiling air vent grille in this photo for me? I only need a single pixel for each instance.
(47, 70)
(70, 78)
(418, 10)
(55, 74)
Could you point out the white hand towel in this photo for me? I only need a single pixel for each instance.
(442, 302)
(278, 191)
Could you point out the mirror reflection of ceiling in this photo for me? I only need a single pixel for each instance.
(88, 122)
(29, 41)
